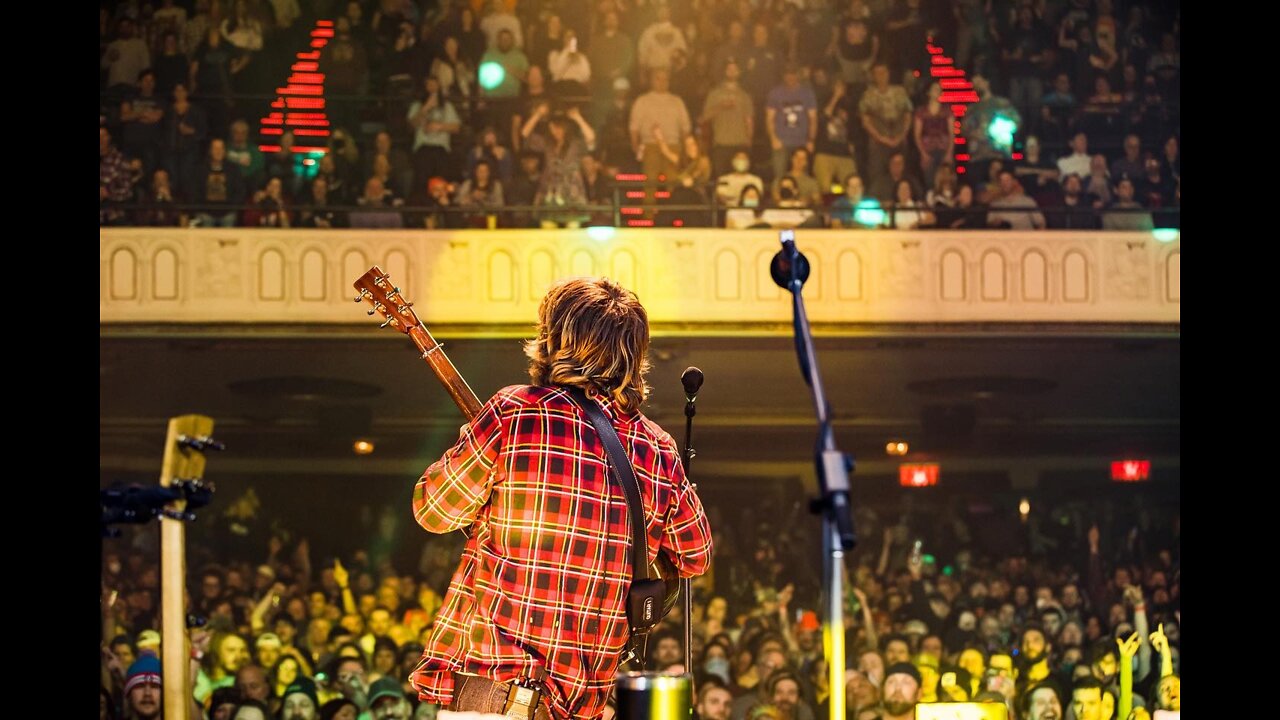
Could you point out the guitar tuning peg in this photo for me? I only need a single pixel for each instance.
(371, 312)
(390, 321)
(406, 306)
(359, 298)
(202, 443)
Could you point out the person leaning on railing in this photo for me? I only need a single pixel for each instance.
(1012, 208)
(692, 182)
(745, 213)
(908, 213)
(966, 214)
(318, 211)
(157, 203)
(844, 210)
(482, 192)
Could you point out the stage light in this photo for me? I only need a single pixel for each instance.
(869, 212)
(492, 75)
(897, 448)
(601, 233)
(1001, 131)
(362, 447)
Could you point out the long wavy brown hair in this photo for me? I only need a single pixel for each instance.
(592, 333)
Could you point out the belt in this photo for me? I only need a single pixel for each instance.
(479, 694)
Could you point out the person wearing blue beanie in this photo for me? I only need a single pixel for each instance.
(142, 687)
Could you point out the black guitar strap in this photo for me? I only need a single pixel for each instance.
(642, 612)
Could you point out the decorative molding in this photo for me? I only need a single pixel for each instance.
(496, 277)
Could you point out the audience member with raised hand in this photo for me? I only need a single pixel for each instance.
(1128, 650)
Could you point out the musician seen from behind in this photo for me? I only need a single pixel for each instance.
(538, 599)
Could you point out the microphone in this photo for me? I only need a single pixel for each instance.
(691, 378)
(789, 265)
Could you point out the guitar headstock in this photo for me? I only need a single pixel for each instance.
(375, 288)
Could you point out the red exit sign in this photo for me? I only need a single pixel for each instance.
(1131, 470)
(924, 475)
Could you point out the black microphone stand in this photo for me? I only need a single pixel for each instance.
(789, 270)
(692, 379)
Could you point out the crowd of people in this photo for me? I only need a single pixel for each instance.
(526, 113)
(1067, 621)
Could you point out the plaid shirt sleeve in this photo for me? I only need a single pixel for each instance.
(453, 491)
(686, 533)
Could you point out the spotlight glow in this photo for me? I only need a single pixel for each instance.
(492, 75)
(601, 233)
(1001, 131)
(869, 212)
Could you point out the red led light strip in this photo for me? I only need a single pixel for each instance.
(957, 92)
(303, 90)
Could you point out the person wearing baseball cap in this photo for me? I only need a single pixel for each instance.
(387, 700)
(808, 638)
(901, 691)
(149, 640)
(299, 701)
(142, 687)
(267, 647)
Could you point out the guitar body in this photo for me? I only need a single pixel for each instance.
(376, 288)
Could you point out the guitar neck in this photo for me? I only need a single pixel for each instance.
(457, 388)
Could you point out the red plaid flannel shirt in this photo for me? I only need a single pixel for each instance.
(546, 567)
